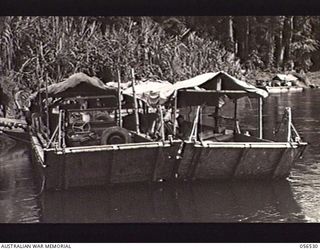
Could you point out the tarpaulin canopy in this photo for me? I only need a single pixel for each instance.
(221, 81)
(207, 88)
(153, 93)
(123, 85)
(210, 88)
(78, 84)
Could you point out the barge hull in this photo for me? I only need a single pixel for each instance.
(74, 168)
(151, 162)
(238, 160)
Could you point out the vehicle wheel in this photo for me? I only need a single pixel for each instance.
(115, 135)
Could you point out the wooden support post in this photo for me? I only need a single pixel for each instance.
(216, 112)
(216, 120)
(297, 136)
(63, 118)
(119, 99)
(60, 130)
(47, 109)
(194, 130)
(135, 102)
(200, 122)
(260, 103)
(288, 110)
(219, 84)
(175, 106)
(162, 123)
(39, 127)
(235, 129)
(53, 136)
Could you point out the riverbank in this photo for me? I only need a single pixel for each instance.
(314, 78)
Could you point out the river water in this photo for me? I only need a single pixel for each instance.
(294, 200)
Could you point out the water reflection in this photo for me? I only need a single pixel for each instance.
(295, 200)
(18, 202)
(200, 202)
(304, 180)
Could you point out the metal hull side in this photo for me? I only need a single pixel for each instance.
(239, 161)
(151, 162)
(74, 169)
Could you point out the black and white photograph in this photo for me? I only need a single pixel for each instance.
(159, 119)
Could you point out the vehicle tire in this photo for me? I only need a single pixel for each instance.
(115, 135)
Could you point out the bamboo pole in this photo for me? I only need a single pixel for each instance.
(47, 106)
(260, 104)
(219, 84)
(197, 122)
(216, 119)
(119, 99)
(200, 122)
(135, 102)
(53, 136)
(288, 110)
(194, 130)
(59, 130)
(162, 123)
(296, 132)
(175, 114)
(63, 118)
(235, 115)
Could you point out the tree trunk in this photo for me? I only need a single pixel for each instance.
(241, 37)
(270, 45)
(279, 48)
(229, 33)
(287, 39)
(246, 37)
(252, 22)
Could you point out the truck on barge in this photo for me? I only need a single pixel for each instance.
(92, 133)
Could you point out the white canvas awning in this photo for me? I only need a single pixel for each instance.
(151, 92)
(209, 85)
(220, 81)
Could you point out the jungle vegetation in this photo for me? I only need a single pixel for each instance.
(39, 49)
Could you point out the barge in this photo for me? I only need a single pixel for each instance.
(85, 133)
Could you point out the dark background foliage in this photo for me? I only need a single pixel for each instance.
(38, 49)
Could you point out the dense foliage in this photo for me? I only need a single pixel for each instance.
(35, 50)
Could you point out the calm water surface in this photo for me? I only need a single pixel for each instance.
(294, 200)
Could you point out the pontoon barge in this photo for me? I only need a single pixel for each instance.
(86, 137)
